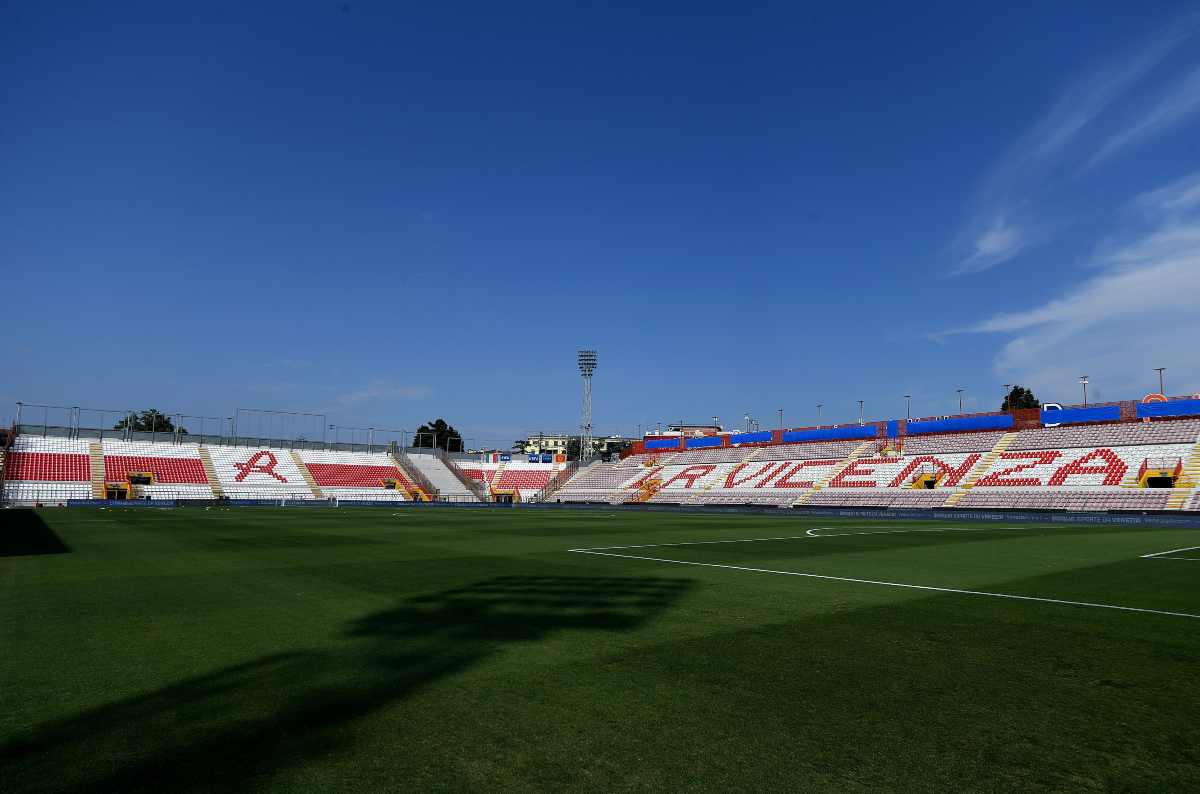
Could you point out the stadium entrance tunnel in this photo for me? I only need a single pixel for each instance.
(256, 722)
(116, 491)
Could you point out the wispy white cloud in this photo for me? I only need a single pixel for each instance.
(1180, 102)
(1136, 311)
(1179, 197)
(376, 391)
(1004, 222)
(998, 242)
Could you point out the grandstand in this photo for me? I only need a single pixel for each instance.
(1131, 456)
(51, 470)
(1124, 457)
(525, 479)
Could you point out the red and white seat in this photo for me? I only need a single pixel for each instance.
(47, 470)
(177, 468)
(258, 473)
(355, 475)
(1069, 469)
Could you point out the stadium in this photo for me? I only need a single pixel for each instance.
(336, 598)
(1139, 456)
(303, 232)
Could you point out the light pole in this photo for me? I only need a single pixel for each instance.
(860, 412)
(1159, 370)
(818, 414)
(780, 420)
(960, 392)
(908, 409)
(587, 366)
(1083, 380)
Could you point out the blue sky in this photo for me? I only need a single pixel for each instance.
(388, 213)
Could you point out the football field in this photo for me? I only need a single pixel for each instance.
(450, 649)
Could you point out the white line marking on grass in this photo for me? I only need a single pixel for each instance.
(898, 584)
(606, 551)
(1172, 551)
(807, 535)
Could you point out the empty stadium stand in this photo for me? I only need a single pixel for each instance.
(1178, 431)
(1075, 467)
(176, 469)
(527, 481)
(437, 472)
(1118, 457)
(47, 470)
(335, 469)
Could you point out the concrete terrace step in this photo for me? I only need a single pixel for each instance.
(96, 456)
(210, 472)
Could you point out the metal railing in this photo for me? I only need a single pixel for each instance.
(411, 471)
(472, 485)
(560, 479)
(6, 457)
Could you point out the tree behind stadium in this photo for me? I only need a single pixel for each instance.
(438, 434)
(1020, 397)
(151, 421)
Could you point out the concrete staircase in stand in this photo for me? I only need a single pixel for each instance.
(1185, 487)
(835, 471)
(96, 454)
(211, 473)
(308, 478)
(981, 467)
(414, 476)
(490, 487)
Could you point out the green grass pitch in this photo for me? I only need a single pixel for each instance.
(441, 649)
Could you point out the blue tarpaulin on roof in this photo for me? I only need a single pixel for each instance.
(830, 434)
(998, 422)
(1064, 416)
(1171, 408)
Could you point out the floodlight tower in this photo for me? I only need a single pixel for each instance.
(587, 365)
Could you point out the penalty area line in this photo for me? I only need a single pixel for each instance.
(904, 585)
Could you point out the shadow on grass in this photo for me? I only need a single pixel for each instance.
(24, 533)
(238, 726)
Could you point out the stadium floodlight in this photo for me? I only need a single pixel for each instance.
(819, 414)
(960, 401)
(587, 366)
(1083, 380)
(908, 410)
(860, 413)
(1159, 370)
